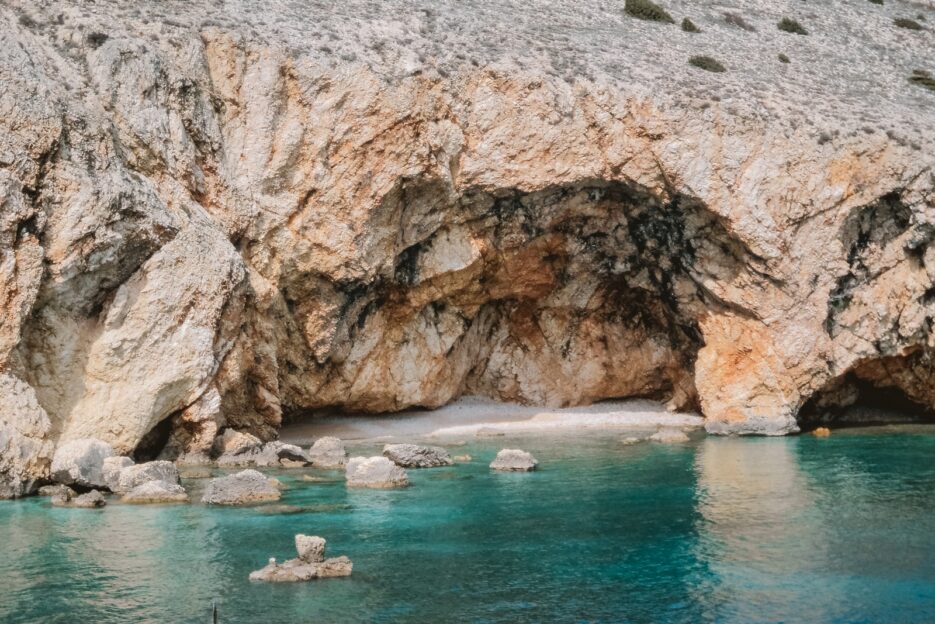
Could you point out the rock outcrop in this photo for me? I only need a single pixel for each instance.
(514, 460)
(375, 472)
(310, 564)
(415, 456)
(243, 488)
(213, 221)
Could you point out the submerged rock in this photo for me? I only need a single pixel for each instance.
(514, 460)
(375, 472)
(328, 452)
(628, 441)
(310, 564)
(81, 462)
(89, 500)
(415, 456)
(153, 492)
(242, 488)
(133, 476)
(462, 458)
(669, 435)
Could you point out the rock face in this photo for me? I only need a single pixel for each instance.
(514, 460)
(242, 488)
(415, 456)
(328, 452)
(209, 221)
(25, 450)
(375, 472)
(310, 564)
(154, 492)
(81, 462)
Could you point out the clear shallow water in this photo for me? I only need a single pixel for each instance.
(722, 530)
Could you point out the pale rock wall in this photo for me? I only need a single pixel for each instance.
(211, 219)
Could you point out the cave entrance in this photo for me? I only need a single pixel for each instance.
(884, 391)
(563, 296)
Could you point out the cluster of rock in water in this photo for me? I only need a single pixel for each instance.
(83, 470)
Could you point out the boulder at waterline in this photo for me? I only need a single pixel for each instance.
(415, 456)
(669, 435)
(514, 460)
(154, 492)
(273, 453)
(232, 442)
(62, 491)
(310, 564)
(90, 500)
(112, 468)
(132, 476)
(328, 452)
(375, 472)
(242, 488)
(81, 462)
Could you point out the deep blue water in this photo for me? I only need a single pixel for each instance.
(794, 529)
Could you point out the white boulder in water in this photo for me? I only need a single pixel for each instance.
(514, 460)
(375, 472)
(415, 456)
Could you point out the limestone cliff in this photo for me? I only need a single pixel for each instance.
(214, 214)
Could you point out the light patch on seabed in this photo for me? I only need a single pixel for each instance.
(478, 416)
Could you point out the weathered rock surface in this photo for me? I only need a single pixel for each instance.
(328, 452)
(415, 456)
(210, 219)
(156, 492)
(61, 491)
(81, 462)
(242, 488)
(25, 447)
(375, 472)
(514, 460)
(111, 469)
(89, 500)
(310, 564)
(273, 453)
(139, 474)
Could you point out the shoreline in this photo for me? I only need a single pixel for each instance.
(480, 417)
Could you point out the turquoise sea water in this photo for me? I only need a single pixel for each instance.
(795, 529)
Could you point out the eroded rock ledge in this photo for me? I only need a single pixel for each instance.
(205, 223)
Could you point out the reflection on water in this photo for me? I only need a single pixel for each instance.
(717, 530)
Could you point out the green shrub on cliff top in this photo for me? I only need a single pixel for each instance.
(789, 25)
(905, 22)
(689, 26)
(923, 79)
(706, 63)
(647, 10)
